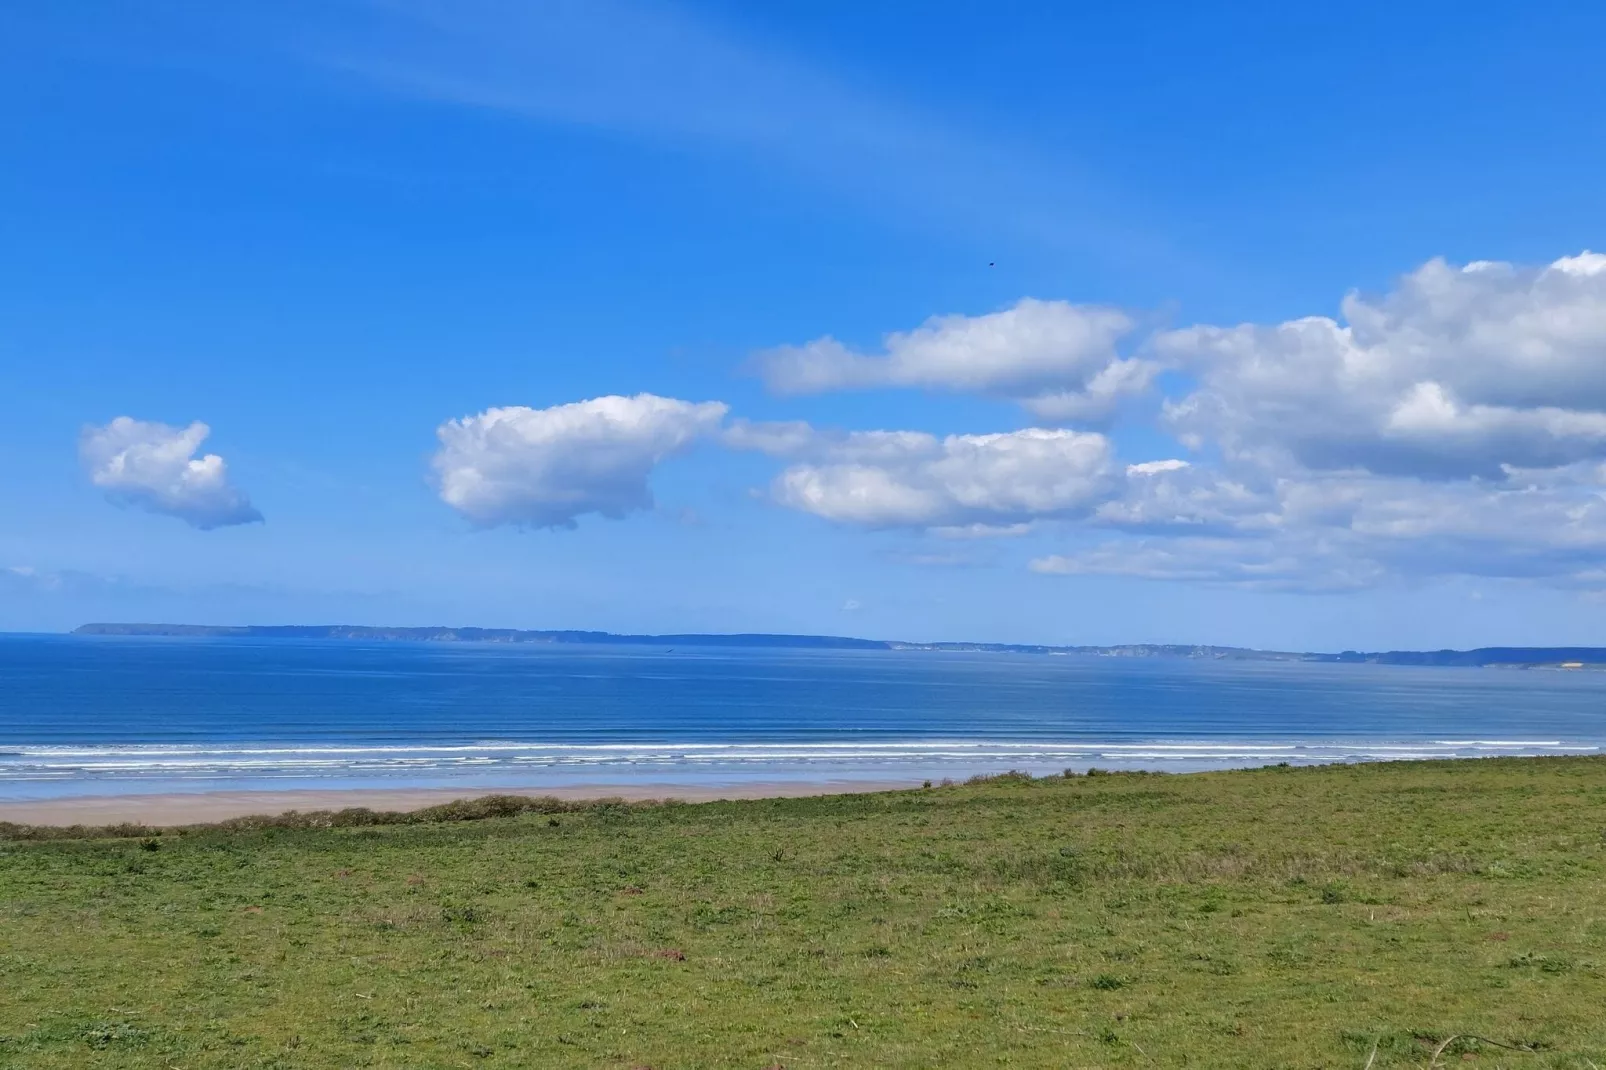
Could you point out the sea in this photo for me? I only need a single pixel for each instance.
(83, 715)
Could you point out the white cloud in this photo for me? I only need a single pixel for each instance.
(1149, 468)
(1553, 533)
(1456, 372)
(1058, 359)
(1161, 495)
(908, 479)
(153, 466)
(546, 467)
(1099, 396)
(984, 531)
(1344, 530)
(1263, 564)
(1454, 426)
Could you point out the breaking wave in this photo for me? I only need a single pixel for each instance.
(525, 761)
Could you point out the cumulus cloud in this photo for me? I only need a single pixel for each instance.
(1459, 371)
(1098, 397)
(1338, 531)
(542, 468)
(153, 466)
(911, 479)
(1172, 494)
(1555, 533)
(1456, 425)
(1058, 359)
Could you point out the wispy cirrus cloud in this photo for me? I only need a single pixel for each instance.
(659, 74)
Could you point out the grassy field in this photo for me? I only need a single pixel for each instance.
(1331, 917)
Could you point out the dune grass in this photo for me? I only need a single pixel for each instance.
(1383, 915)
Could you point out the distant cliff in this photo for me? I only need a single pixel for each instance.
(759, 639)
(474, 635)
(1512, 656)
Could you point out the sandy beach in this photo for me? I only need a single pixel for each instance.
(200, 807)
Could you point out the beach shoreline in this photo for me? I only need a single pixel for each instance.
(193, 808)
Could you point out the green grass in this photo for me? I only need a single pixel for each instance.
(1271, 918)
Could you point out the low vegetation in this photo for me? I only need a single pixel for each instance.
(1404, 915)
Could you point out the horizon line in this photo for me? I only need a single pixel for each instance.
(557, 636)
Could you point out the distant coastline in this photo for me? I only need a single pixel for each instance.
(1483, 657)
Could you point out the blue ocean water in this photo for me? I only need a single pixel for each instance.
(93, 715)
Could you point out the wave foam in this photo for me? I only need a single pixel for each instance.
(316, 761)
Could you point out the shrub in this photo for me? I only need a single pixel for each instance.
(1013, 776)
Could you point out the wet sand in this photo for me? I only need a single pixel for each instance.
(201, 807)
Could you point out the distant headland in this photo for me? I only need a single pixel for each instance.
(1504, 656)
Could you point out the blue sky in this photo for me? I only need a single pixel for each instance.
(392, 254)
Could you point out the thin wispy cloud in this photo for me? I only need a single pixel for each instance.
(664, 75)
